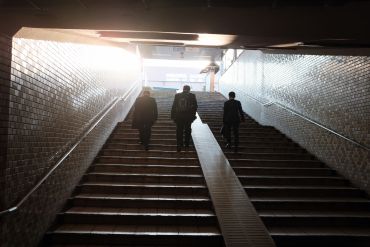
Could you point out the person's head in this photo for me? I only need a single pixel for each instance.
(146, 93)
(232, 95)
(186, 89)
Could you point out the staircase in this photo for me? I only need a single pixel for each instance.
(132, 197)
(301, 201)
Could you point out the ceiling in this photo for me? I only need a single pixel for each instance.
(211, 24)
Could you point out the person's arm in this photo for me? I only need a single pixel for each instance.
(224, 115)
(173, 109)
(195, 103)
(241, 111)
(155, 110)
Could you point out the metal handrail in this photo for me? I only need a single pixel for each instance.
(66, 155)
(309, 120)
(322, 126)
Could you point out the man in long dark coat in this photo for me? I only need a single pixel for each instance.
(183, 112)
(233, 114)
(145, 115)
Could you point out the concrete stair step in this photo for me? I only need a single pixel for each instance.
(137, 146)
(149, 153)
(301, 192)
(326, 204)
(146, 169)
(271, 150)
(293, 181)
(239, 163)
(250, 134)
(284, 171)
(313, 212)
(136, 141)
(272, 156)
(146, 160)
(132, 202)
(320, 237)
(310, 220)
(140, 236)
(142, 211)
(92, 218)
(155, 135)
(148, 178)
(146, 197)
(121, 189)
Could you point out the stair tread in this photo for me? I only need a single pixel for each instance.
(137, 230)
(146, 165)
(143, 197)
(293, 187)
(141, 211)
(309, 199)
(272, 160)
(145, 174)
(143, 184)
(149, 151)
(320, 231)
(313, 213)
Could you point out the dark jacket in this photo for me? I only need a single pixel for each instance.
(184, 116)
(145, 111)
(233, 112)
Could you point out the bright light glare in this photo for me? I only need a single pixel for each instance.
(199, 64)
(215, 39)
(111, 58)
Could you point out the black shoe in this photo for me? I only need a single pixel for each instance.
(228, 146)
(178, 149)
(146, 147)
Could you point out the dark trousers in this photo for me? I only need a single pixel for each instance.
(235, 127)
(145, 131)
(181, 129)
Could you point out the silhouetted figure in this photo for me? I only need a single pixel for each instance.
(183, 112)
(233, 114)
(145, 114)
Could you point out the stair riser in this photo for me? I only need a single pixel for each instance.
(258, 131)
(261, 150)
(273, 163)
(135, 239)
(309, 205)
(312, 181)
(137, 146)
(283, 172)
(152, 136)
(127, 203)
(247, 134)
(143, 153)
(147, 169)
(296, 221)
(121, 190)
(137, 220)
(148, 160)
(269, 156)
(144, 179)
(301, 193)
(321, 241)
(136, 141)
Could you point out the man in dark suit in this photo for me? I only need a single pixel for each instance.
(233, 114)
(183, 112)
(145, 114)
